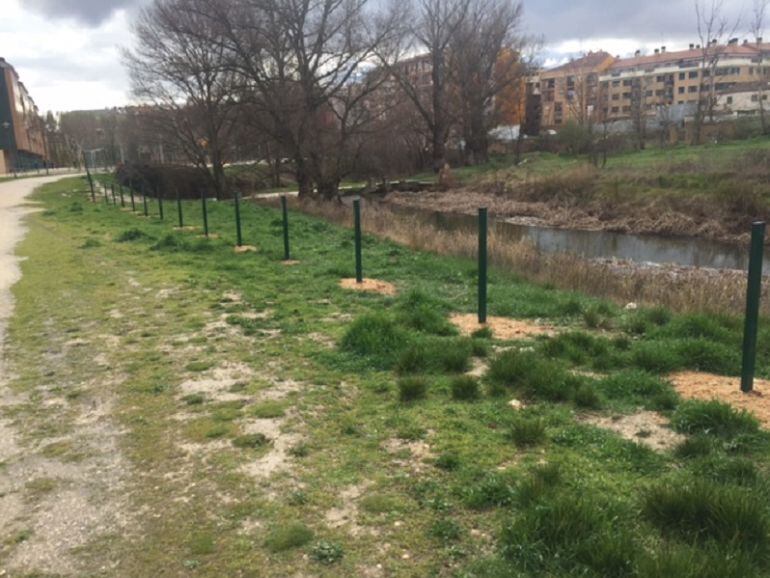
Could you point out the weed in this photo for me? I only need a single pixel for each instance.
(530, 374)
(494, 489)
(423, 313)
(412, 388)
(268, 410)
(587, 397)
(465, 388)
(327, 552)
(376, 336)
(445, 530)
(288, 536)
(483, 333)
(198, 366)
(194, 399)
(694, 447)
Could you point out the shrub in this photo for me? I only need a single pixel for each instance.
(376, 336)
(412, 388)
(713, 417)
(698, 511)
(530, 374)
(465, 387)
(288, 536)
(527, 432)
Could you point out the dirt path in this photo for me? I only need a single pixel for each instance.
(52, 485)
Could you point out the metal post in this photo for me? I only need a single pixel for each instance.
(753, 293)
(357, 218)
(205, 214)
(122, 199)
(160, 202)
(114, 198)
(483, 226)
(90, 178)
(131, 192)
(284, 209)
(106, 198)
(144, 201)
(238, 233)
(179, 208)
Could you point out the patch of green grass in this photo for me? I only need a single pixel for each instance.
(288, 536)
(251, 441)
(377, 337)
(713, 418)
(412, 388)
(527, 432)
(327, 552)
(531, 375)
(268, 410)
(465, 388)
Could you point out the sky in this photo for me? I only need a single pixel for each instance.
(67, 52)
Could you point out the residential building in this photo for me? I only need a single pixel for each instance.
(22, 131)
(567, 92)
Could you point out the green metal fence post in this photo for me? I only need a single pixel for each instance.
(285, 211)
(122, 198)
(88, 174)
(144, 201)
(160, 202)
(114, 198)
(483, 226)
(753, 293)
(179, 208)
(205, 214)
(357, 224)
(131, 192)
(104, 190)
(238, 233)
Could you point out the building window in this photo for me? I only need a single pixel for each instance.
(660, 79)
(615, 83)
(681, 76)
(692, 89)
(693, 74)
(626, 83)
(616, 96)
(615, 109)
(681, 90)
(626, 95)
(626, 109)
(557, 108)
(729, 100)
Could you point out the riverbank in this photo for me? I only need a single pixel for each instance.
(710, 192)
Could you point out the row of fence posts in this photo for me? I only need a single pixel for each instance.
(753, 293)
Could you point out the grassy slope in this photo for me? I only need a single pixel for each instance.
(473, 506)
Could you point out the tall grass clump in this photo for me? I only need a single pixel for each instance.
(421, 312)
(531, 375)
(377, 337)
(527, 432)
(465, 388)
(435, 354)
(412, 388)
(714, 418)
(701, 511)
(568, 534)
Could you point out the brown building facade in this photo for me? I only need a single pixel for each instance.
(22, 133)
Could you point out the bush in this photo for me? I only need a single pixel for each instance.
(412, 388)
(288, 536)
(531, 375)
(465, 388)
(527, 432)
(714, 418)
(698, 511)
(375, 336)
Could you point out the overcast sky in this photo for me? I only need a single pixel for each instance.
(67, 52)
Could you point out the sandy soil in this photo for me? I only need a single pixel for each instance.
(707, 386)
(501, 327)
(645, 427)
(369, 285)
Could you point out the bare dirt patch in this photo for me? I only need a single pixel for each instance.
(369, 286)
(501, 327)
(346, 514)
(412, 454)
(215, 383)
(707, 386)
(245, 249)
(647, 428)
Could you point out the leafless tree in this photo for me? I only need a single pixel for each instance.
(639, 101)
(487, 56)
(429, 28)
(302, 65)
(713, 31)
(759, 14)
(182, 71)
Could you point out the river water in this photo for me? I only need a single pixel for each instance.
(643, 249)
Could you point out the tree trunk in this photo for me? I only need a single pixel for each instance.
(328, 189)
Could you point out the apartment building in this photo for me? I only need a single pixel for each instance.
(22, 133)
(567, 92)
(645, 84)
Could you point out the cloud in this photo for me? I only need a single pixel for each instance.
(645, 21)
(89, 12)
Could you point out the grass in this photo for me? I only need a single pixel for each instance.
(377, 423)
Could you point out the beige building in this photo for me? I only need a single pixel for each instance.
(22, 134)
